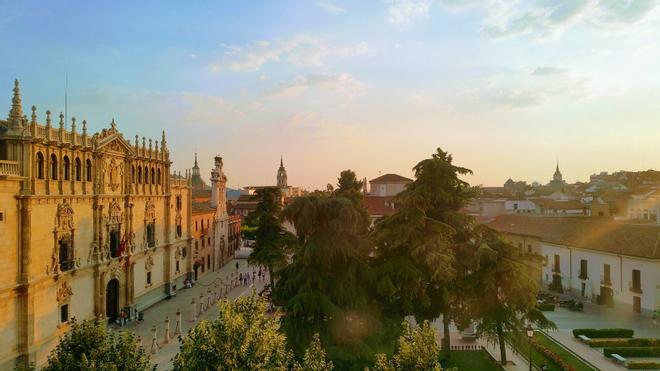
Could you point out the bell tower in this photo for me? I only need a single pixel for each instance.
(281, 175)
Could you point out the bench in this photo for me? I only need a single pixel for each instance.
(584, 338)
(618, 358)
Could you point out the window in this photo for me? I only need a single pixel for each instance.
(196, 229)
(153, 176)
(208, 262)
(148, 278)
(115, 243)
(209, 241)
(556, 266)
(158, 176)
(529, 249)
(177, 266)
(40, 165)
(78, 170)
(606, 274)
(66, 253)
(64, 313)
(146, 175)
(583, 269)
(178, 202)
(178, 230)
(2, 216)
(67, 168)
(151, 234)
(53, 167)
(636, 281)
(133, 174)
(184, 252)
(88, 170)
(139, 177)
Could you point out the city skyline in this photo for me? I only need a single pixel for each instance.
(508, 87)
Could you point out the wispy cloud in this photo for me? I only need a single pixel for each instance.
(330, 7)
(549, 70)
(342, 83)
(301, 50)
(404, 12)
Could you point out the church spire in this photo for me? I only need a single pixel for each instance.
(196, 166)
(281, 161)
(16, 112)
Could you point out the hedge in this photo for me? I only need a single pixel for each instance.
(643, 365)
(551, 356)
(593, 333)
(633, 351)
(546, 307)
(637, 342)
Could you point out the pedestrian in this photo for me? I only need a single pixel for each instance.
(254, 274)
(240, 278)
(259, 274)
(236, 266)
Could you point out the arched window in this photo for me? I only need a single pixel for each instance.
(158, 176)
(67, 168)
(78, 170)
(53, 166)
(146, 175)
(88, 169)
(66, 253)
(133, 173)
(139, 177)
(153, 176)
(40, 165)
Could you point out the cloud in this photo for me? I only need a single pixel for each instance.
(301, 50)
(549, 70)
(624, 12)
(343, 83)
(330, 7)
(403, 12)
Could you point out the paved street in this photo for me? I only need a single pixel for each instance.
(155, 316)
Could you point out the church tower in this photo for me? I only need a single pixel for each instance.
(557, 177)
(197, 181)
(281, 175)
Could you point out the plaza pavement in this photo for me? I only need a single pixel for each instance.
(155, 315)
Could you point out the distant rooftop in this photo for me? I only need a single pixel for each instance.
(391, 178)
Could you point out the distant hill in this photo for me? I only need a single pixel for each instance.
(232, 194)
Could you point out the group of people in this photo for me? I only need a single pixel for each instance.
(258, 274)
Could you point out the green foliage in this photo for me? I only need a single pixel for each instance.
(417, 349)
(634, 342)
(471, 360)
(89, 346)
(643, 365)
(633, 351)
(604, 333)
(242, 337)
(272, 240)
(349, 187)
(314, 358)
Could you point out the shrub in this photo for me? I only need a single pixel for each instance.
(546, 307)
(643, 365)
(633, 352)
(593, 333)
(637, 342)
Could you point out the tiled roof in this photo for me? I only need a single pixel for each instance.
(387, 178)
(559, 205)
(379, 205)
(640, 240)
(202, 208)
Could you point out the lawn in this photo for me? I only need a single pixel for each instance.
(464, 360)
(521, 344)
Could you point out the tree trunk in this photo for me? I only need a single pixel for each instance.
(270, 275)
(445, 340)
(500, 337)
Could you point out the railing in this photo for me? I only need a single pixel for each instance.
(9, 168)
(635, 287)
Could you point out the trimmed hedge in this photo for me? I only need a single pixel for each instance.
(643, 365)
(546, 307)
(593, 333)
(633, 351)
(637, 342)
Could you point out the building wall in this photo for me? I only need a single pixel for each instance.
(386, 189)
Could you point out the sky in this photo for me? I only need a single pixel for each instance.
(509, 87)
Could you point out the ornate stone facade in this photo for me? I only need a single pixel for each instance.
(91, 224)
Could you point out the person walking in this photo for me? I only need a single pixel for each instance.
(236, 266)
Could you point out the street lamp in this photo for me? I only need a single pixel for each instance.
(530, 334)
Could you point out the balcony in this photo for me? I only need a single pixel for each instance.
(605, 281)
(635, 287)
(9, 168)
(583, 276)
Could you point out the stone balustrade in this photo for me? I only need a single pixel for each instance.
(9, 168)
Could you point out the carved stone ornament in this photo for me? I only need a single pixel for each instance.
(113, 172)
(114, 213)
(150, 211)
(149, 262)
(64, 292)
(64, 219)
(178, 254)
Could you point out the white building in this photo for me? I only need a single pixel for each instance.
(645, 207)
(608, 262)
(388, 185)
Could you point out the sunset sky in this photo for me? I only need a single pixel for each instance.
(509, 87)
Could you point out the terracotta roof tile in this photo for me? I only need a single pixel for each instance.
(640, 240)
(379, 205)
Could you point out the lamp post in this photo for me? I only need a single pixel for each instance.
(530, 334)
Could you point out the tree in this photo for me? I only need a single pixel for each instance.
(505, 299)
(272, 240)
(326, 288)
(416, 247)
(314, 358)
(349, 187)
(89, 346)
(417, 349)
(243, 337)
